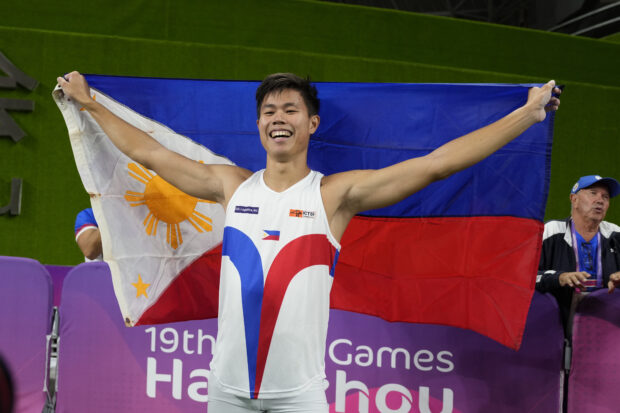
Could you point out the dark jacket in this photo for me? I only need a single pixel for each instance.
(558, 256)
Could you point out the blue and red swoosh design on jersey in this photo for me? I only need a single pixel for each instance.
(464, 251)
(261, 304)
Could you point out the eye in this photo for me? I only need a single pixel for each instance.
(290, 111)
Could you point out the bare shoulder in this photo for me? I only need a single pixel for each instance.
(338, 185)
(336, 189)
(231, 171)
(231, 177)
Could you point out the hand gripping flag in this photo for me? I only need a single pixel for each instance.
(160, 243)
(462, 252)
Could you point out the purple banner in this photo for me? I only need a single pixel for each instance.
(595, 369)
(58, 274)
(104, 366)
(371, 365)
(25, 311)
(400, 367)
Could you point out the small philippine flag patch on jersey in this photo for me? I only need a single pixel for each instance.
(271, 235)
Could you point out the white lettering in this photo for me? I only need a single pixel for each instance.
(153, 332)
(424, 402)
(342, 387)
(367, 354)
(171, 340)
(332, 355)
(193, 390)
(186, 336)
(393, 352)
(172, 343)
(201, 338)
(152, 377)
(381, 398)
(449, 366)
(423, 356)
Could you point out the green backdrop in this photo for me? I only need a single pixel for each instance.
(247, 39)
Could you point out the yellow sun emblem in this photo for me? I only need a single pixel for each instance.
(165, 203)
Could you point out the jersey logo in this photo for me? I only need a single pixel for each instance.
(246, 209)
(299, 213)
(261, 300)
(271, 235)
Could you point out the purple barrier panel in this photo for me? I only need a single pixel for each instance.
(595, 369)
(25, 319)
(58, 274)
(375, 366)
(104, 366)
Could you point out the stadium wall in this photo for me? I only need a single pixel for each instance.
(248, 39)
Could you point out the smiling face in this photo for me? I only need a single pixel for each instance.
(285, 125)
(591, 203)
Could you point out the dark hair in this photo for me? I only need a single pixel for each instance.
(278, 82)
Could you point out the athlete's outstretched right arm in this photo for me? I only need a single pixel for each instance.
(211, 182)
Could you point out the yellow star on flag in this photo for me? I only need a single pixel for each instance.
(140, 287)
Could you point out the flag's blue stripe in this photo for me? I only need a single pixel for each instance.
(367, 125)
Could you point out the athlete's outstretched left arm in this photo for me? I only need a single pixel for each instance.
(349, 193)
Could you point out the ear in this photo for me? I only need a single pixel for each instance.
(573, 198)
(315, 120)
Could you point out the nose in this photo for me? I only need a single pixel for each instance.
(278, 117)
(600, 199)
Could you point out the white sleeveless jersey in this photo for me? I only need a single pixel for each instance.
(278, 258)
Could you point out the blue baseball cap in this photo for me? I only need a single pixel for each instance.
(589, 180)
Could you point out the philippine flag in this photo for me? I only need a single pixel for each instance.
(462, 252)
(271, 235)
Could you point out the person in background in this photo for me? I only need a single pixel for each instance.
(581, 253)
(87, 235)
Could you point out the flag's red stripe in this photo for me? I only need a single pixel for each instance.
(193, 295)
(439, 265)
(475, 272)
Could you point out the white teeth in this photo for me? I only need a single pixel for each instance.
(280, 133)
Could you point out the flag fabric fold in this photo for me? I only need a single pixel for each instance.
(462, 252)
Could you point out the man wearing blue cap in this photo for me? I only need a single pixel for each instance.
(581, 253)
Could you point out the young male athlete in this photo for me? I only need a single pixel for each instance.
(274, 290)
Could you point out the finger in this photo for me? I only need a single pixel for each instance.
(611, 286)
(549, 86)
(577, 277)
(552, 107)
